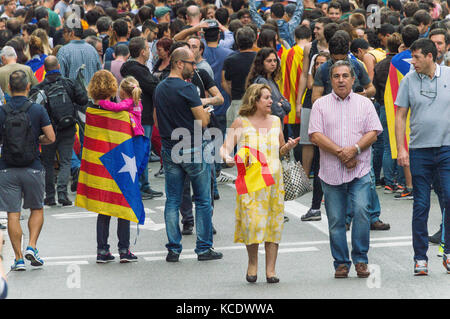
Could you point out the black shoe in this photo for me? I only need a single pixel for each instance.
(272, 280)
(216, 196)
(153, 193)
(104, 258)
(160, 173)
(49, 202)
(127, 257)
(436, 238)
(172, 257)
(188, 229)
(210, 255)
(145, 196)
(251, 279)
(311, 215)
(64, 200)
(214, 230)
(2, 226)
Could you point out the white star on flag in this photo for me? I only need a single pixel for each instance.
(129, 167)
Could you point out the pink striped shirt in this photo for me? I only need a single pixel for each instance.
(344, 122)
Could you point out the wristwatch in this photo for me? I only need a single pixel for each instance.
(358, 149)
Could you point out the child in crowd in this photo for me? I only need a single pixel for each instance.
(130, 93)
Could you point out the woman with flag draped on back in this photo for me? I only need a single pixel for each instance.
(37, 58)
(260, 188)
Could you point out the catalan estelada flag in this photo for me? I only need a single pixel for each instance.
(112, 161)
(253, 171)
(37, 66)
(291, 70)
(400, 66)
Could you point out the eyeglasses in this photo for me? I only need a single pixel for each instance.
(190, 62)
(429, 94)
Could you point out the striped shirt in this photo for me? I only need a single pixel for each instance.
(76, 53)
(344, 122)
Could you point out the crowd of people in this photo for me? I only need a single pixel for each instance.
(331, 81)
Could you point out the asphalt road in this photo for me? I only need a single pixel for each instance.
(68, 247)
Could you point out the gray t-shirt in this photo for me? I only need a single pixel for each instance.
(429, 101)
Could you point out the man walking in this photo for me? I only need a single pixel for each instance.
(425, 92)
(344, 125)
(178, 106)
(21, 173)
(61, 97)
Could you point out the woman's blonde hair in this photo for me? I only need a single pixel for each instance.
(42, 34)
(131, 87)
(251, 96)
(102, 86)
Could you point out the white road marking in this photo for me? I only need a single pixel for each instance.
(396, 244)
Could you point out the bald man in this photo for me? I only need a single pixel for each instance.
(65, 135)
(181, 118)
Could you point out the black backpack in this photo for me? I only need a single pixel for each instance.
(58, 104)
(20, 147)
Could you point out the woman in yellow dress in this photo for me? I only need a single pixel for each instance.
(259, 214)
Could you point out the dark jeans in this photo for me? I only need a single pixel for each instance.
(143, 179)
(425, 164)
(123, 233)
(317, 186)
(378, 149)
(64, 148)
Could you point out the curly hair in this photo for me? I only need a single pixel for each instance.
(257, 68)
(36, 47)
(251, 96)
(103, 85)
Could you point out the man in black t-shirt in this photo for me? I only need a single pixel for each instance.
(235, 70)
(181, 118)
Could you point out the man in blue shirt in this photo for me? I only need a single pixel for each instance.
(180, 113)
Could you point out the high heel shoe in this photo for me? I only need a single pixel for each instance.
(251, 279)
(273, 280)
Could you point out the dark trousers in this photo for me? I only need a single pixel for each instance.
(123, 233)
(317, 186)
(64, 147)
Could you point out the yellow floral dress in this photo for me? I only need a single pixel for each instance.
(259, 215)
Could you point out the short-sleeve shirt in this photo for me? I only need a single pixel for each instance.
(39, 118)
(237, 67)
(173, 100)
(322, 77)
(429, 101)
(344, 122)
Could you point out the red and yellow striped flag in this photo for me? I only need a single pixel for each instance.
(400, 66)
(291, 70)
(253, 171)
(97, 191)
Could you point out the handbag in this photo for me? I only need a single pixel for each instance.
(296, 183)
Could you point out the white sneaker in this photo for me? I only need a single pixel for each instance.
(225, 179)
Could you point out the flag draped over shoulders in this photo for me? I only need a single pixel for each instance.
(37, 66)
(399, 67)
(112, 161)
(291, 70)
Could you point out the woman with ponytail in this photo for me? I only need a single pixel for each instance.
(130, 94)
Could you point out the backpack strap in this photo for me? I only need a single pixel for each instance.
(7, 108)
(26, 106)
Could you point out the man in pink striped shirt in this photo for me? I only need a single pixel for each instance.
(344, 125)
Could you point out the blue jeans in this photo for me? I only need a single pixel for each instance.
(336, 205)
(390, 167)
(425, 164)
(200, 176)
(143, 179)
(374, 206)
